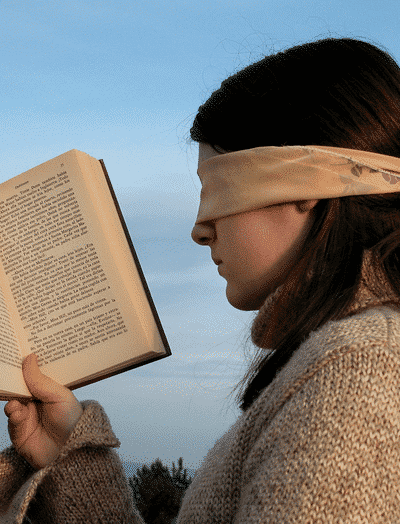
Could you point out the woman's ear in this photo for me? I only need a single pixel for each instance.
(306, 205)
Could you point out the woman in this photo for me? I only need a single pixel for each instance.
(308, 236)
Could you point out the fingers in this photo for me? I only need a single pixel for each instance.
(11, 406)
(22, 426)
(42, 387)
(18, 416)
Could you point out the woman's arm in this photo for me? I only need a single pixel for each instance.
(85, 483)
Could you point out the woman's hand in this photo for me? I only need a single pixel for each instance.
(40, 427)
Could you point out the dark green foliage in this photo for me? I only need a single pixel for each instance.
(157, 494)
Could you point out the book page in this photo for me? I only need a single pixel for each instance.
(73, 306)
(116, 239)
(11, 378)
(9, 349)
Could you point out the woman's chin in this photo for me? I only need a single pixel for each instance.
(243, 301)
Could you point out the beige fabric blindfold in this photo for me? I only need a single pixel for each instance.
(254, 178)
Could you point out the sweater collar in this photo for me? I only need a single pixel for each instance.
(374, 290)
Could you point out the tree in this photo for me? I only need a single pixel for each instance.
(157, 494)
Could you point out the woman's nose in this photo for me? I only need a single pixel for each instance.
(202, 234)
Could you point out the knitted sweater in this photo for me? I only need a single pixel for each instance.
(321, 444)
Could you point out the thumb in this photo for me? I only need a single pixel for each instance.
(42, 387)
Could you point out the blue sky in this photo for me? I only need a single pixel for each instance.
(122, 81)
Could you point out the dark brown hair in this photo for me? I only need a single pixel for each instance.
(336, 92)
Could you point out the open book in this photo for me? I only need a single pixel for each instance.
(71, 286)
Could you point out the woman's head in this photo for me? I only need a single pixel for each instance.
(333, 92)
(256, 249)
